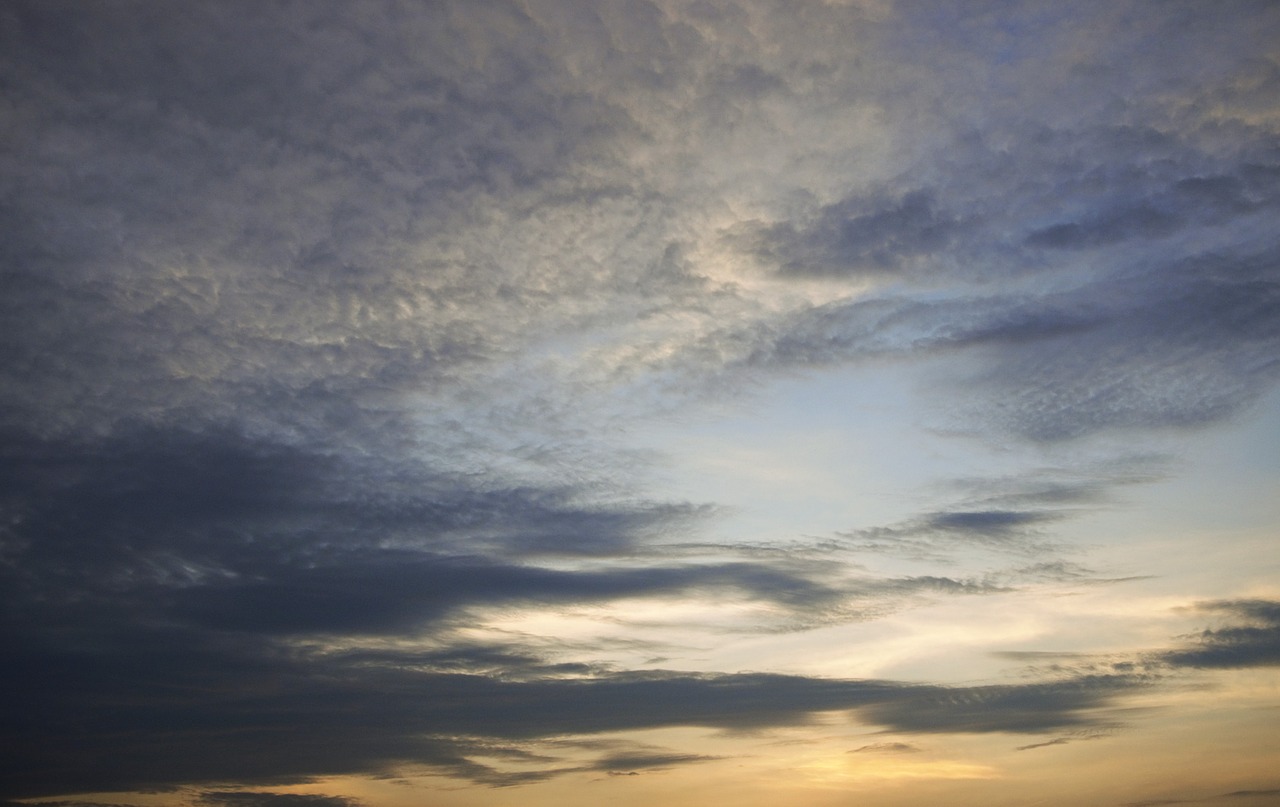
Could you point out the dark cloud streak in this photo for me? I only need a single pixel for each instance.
(1250, 639)
(275, 723)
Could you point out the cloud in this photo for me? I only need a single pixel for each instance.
(1045, 744)
(232, 277)
(631, 764)
(224, 532)
(856, 236)
(324, 327)
(176, 586)
(1236, 794)
(245, 798)
(940, 534)
(1180, 344)
(986, 523)
(1030, 708)
(886, 748)
(1250, 639)
(1086, 735)
(261, 714)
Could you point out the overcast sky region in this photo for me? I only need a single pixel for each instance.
(482, 403)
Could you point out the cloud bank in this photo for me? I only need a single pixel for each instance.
(327, 330)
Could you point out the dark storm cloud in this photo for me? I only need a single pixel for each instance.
(1250, 637)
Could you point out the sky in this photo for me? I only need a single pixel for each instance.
(630, 402)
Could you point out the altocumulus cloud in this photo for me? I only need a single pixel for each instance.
(318, 318)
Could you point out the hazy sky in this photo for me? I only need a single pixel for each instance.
(561, 402)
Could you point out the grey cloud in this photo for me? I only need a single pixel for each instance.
(1140, 221)
(1251, 637)
(236, 212)
(856, 236)
(1248, 636)
(177, 278)
(939, 534)
(897, 327)
(156, 581)
(1187, 203)
(1074, 737)
(1045, 744)
(391, 592)
(1064, 489)
(226, 532)
(987, 523)
(249, 798)
(1267, 795)
(1063, 570)
(1165, 323)
(499, 661)
(873, 597)
(147, 572)
(277, 278)
(1031, 708)
(886, 748)
(629, 763)
(1196, 349)
(1175, 345)
(251, 713)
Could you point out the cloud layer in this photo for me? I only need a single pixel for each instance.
(329, 332)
